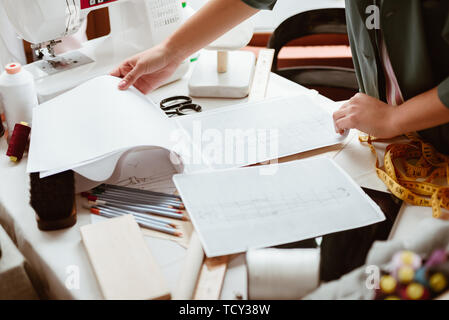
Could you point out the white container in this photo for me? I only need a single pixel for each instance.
(17, 95)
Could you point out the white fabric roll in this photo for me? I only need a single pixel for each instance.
(282, 273)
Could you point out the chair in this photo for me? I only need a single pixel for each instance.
(337, 83)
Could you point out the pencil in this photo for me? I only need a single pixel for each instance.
(110, 186)
(140, 209)
(144, 216)
(137, 214)
(124, 193)
(127, 202)
(139, 198)
(140, 222)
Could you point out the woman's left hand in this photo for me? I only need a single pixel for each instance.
(367, 114)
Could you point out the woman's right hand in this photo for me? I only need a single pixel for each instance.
(147, 70)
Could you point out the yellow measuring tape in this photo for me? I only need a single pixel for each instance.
(421, 165)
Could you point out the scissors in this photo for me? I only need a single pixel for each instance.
(179, 106)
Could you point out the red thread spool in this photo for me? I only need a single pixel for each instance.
(2, 125)
(18, 142)
(2, 129)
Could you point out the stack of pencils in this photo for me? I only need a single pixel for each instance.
(147, 207)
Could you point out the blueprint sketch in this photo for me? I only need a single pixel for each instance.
(235, 210)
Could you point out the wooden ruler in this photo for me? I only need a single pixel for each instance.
(261, 75)
(211, 278)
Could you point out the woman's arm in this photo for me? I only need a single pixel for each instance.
(147, 70)
(381, 120)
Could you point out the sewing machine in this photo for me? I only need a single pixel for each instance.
(136, 25)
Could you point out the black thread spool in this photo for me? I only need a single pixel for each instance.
(53, 200)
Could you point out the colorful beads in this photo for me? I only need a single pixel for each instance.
(411, 278)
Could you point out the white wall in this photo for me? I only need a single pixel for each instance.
(269, 20)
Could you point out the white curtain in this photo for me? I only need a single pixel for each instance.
(11, 48)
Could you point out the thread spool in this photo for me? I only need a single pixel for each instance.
(2, 129)
(421, 276)
(415, 291)
(18, 95)
(437, 257)
(406, 274)
(388, 284)
(437, 282)
(282, 273)
(18, 141)
(405, 259)
(53, 200)
(3, 120)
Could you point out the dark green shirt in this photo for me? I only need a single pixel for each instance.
(416, 34)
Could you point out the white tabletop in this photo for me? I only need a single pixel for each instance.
(56, 256)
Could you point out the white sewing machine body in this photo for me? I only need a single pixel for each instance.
(136, 25)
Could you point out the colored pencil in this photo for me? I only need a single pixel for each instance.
(139, 215)
(110, 186)
(139, 198)
(140, 209)
(125, 202)
(143, 216)
(142, 223)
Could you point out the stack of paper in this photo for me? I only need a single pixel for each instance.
(89, 129)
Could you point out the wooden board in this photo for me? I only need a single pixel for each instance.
(211, 277)
(122, 261)
(190, 270)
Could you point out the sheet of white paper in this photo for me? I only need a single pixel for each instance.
(148, 170)
(97, 169)
(235, 210)
(255, 132)
(92, 120)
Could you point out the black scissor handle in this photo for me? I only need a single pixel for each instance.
(183, 100)
(190, 106)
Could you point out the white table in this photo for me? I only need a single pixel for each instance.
(58, 257)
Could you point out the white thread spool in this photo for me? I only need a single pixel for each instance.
(282, 273)
(18, 95)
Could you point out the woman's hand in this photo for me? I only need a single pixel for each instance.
(368, 115)
(147, 70)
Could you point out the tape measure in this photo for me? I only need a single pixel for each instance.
(261, 75)
(410, 170)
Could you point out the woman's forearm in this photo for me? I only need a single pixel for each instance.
(421, 112)
(210, 22)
